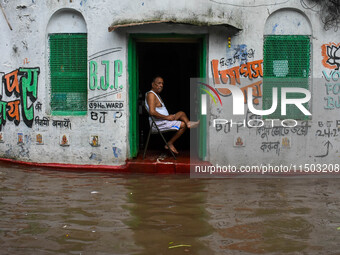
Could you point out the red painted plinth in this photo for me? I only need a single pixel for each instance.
(156, 162)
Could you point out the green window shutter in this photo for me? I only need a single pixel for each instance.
(286, 63)
(68, 66)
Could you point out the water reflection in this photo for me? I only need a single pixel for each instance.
(50, 212)
(44, 212)
(269, 216)
(169, 216)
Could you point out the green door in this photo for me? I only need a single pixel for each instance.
(134, 87)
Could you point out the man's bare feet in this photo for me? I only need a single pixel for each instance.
(172, 148)
(193, 124)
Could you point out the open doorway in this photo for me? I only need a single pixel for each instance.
(176, 62)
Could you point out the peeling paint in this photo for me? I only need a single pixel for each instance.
(116, 151)
(9, 153)
(83, 2)
(15, 48)
(95, 156)
(21, 7)
(274, 28)
(192, 18)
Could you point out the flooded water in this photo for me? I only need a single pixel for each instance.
(52, 212)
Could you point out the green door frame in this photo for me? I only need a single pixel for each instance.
(134, 85)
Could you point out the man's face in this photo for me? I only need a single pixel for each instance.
(157, 85)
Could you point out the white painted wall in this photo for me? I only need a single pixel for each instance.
(287, 22)
(66, 21)
(27, 46)
(311, 146)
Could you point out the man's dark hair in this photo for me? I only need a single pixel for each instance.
(155, 77)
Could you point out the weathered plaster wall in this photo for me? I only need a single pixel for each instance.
(313, 141)
(26, 47)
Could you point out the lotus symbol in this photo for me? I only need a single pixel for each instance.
(333, 54)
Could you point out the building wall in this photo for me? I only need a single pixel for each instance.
(25, 48)
(312, 141)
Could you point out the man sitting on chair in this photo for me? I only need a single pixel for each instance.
(165, 122)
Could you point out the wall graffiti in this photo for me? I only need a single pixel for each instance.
(274, 137)
(239, 54)
(98, 116)
(328, 129)
(331, 55)
(99, 108)
(116, 151)
(270, 146)
(105, 80)
(332, 97)
(232, 75)
(326, 144)
(251, 70)
(299, 130)
(66, 123)
(38, 106)
(331, 60)
(283, 133)
(22, 86)
(331, 76)
(45, 122)
(106, 105)
(101, 116)
(117, 115)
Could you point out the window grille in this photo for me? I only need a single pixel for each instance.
(68, 67)
(286, 63)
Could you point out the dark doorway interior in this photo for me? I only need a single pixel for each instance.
(176, 63)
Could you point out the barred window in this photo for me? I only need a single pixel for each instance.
(286, 63)
(68, 67)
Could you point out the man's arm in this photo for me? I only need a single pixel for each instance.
(152, 102)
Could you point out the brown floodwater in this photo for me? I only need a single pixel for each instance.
(54, 212)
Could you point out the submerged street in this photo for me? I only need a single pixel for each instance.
(55, 212)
